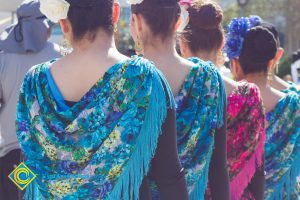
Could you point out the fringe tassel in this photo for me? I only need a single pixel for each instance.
(32, 192)
(198, 192)
(128, 185)
(222, 101)
(287, 184)
(241, 181)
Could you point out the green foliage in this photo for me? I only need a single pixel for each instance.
(230, 12)
(284, 66)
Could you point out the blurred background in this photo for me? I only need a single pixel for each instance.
(282, 13)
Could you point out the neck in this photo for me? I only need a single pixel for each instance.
(102, 44)
(208, 56)
(159, 51)
(259, 79)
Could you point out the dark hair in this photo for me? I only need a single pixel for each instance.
(204, 31)
(88, 16)
(258, 49)
(273, 30)
(296, 56)
(160, 15)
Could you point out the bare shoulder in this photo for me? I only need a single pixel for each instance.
(230, 85)
(186, 63)
(278, 94)
(272, 98)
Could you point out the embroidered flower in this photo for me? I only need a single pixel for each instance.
(55, 10)
(134, 2)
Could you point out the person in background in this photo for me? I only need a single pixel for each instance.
(200, 96)
(252, 51)
(275, 81)
(22, 46)
(94, 123)
(295, 68)
(204, 38)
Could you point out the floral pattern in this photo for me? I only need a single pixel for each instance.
(200, 106)
(101, 145)
(282, 148)
(245, 137)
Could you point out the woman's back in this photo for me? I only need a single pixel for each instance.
(200, 89)
(252, 61)
(270, 98)
(176, 71)
(82, 70)
(92, 123)
(283, 148)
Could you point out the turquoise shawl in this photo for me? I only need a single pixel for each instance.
(199, 109)
(292, 88)
(200, 105)
(282, 148)
(100, 148)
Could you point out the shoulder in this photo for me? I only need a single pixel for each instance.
(247, 89)
(138, 67)
(246, 98)
(201, 64)
(142, 76)
(246, 93)
(293, 98)
(35, 72)
(207, 70)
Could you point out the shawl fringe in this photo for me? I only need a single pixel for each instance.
(199, 190)
(242, 180)
(287, 183)
(128, 185)
(222, 103)
(32, 191)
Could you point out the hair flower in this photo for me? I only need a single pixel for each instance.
(236, 33)
(184, 15)
(54, 10)
(186, 2)
(134, 2)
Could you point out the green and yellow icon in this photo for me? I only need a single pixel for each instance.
(22, 176)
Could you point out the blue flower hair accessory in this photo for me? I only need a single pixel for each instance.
(236, 33)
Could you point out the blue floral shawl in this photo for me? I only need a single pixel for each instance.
(292, 88)
(200, 105)
(101, 147)
(282, 148)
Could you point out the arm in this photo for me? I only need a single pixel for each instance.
(218, 172)
(166, 169)
(257, 185)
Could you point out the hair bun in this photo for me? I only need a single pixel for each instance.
(207, 15)
(259, 45)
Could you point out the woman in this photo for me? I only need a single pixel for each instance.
(22, 45)
(204, 38)
(200, 97)
(89, 123)
(275, 81)
(252, 52)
